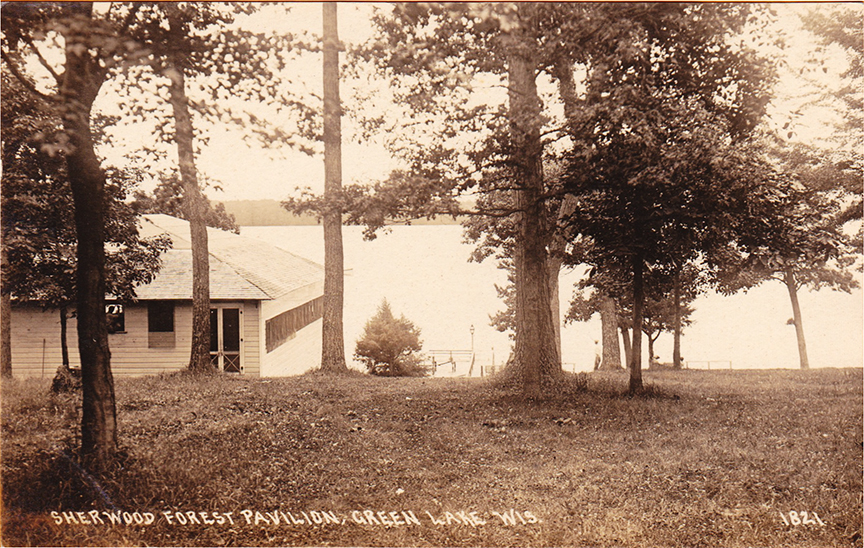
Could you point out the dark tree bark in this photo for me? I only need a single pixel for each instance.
(553, 269)
(676, 345)
(6, 327)
(80, 85)
(609, 325)
(651, 340)
(535, 355)
(628, 346)
(792, 287)
(194, 205)
(64, 344)
(638, 297)
(563, 72)
(333, 342)
(5, 320)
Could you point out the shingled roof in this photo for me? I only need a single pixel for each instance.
(240, 268)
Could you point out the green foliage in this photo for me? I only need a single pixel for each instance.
(389, 345)
(38, 214)
(814, 232)
(235, 76)
(840, 25)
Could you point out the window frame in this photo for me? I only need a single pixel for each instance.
(158, 334)
(115, 320)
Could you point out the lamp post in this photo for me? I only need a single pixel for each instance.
(472, 337)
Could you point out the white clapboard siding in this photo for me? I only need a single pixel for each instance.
(35, 335)
(251, 344)
(130, 351)
(36, 343)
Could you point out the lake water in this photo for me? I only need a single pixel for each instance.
(423, 271)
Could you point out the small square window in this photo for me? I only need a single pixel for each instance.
(160, 324)
(160, 317)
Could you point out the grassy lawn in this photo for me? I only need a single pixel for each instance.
(707, 458)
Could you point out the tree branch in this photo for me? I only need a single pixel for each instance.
(43, 61)
(553, 130)
(13, 68)
(497, 213)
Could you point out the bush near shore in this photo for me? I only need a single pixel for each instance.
(705, 458)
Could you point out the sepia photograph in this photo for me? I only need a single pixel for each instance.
(371, 274)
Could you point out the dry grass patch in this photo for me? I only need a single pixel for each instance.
(703, 459)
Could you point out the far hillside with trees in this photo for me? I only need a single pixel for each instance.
(271, 213)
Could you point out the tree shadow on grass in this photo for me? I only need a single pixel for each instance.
(51, 482)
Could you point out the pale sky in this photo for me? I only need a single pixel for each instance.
(251, 172)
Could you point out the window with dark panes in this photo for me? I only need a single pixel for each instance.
(160, 324)
(160, 316)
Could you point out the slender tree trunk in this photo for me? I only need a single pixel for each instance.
(6, 328)
(193, 207)
(676, 294)
(5, 319)
(652, 338)
(64, 344)
(536, 357)
(636, 353)
(553, 270)
(628, 348)
(611, 360)
(792, 287)
(650, 350)
(609, 325)
(333, 342)
(82, 79)
(563, 72)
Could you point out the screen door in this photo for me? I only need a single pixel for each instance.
(225, 338)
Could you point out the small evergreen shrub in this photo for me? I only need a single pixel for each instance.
(388, 346)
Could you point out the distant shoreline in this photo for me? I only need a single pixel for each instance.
(271, 213)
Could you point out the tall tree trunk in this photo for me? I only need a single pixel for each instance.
(628, 347)
(553, 269)
(333, 342)
(83, 77)
(5, 319)
(563, 72)
(636, 353)
(676, 294)
(64, 345)
(535, 355)
(194, 207)
(609, 325)
(792, 287)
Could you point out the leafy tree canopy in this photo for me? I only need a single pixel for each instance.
(39, 233)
